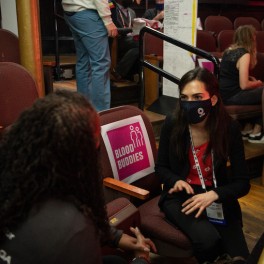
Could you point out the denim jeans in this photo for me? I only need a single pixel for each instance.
(93, 57)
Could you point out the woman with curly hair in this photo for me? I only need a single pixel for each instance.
(52, 206)
(237, 87)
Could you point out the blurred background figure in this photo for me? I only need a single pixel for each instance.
(237, 87)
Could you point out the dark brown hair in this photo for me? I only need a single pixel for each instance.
(216, 124)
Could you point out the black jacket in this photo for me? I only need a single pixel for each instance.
(230, 186)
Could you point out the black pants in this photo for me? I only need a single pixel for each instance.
(208, 240)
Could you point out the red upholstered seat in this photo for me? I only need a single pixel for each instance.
(206, 41)
(9, 46)
(216, 24)
(17, 92)
(153, 45)
(260, 41)
(225, 39)
(240, 21)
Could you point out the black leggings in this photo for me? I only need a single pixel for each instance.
(208, 240)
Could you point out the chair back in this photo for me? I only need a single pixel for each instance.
(241, 21)
(17, 92)
(9, 46)
(257, 71)
(153, 45)
(260, 41)
(206, 41)
(216, 24)
(262, 24)
(225, 39)
(131, 158)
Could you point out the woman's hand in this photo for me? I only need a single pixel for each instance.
(199, 202)
(139, 244)
(180, 186)
(252, 78)
(142, 242)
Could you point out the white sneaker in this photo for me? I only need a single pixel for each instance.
(245, 134)
(256, 138)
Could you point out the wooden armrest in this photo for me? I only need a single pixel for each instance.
(154, 57)
(126, 188)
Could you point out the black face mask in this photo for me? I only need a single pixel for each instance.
(196, 111)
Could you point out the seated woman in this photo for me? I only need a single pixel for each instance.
(51, 200)
(236, 86)
(198, 195)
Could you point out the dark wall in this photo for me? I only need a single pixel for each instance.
(47, 21)
(231, 10)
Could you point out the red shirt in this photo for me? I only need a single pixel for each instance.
(206, 168)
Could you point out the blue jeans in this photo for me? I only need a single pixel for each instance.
(93, 57)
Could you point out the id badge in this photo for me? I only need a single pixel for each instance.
(215, 214)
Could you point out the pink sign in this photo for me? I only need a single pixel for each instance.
(129, 149)
(206, 64)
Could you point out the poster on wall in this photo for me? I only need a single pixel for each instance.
(179, 23)
(128, 149)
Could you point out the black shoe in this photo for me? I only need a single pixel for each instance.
(257, 138)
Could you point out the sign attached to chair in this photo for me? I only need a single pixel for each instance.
(129, 150)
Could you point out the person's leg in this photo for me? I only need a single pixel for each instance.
(233, 239)
(128, 48)
(100, 64)
(251, 97)
(203, 235)
(92, 34)
(246, 97)
(83, 77)
(127, 62)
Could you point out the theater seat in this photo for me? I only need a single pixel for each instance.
(128, 169)
(240, 21)
(206, 41)
(260, 41)
(18, 91)
(216, 24)
(225, 39)
(9, 46)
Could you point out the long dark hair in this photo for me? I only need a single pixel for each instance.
(216, 124)
(51, 152)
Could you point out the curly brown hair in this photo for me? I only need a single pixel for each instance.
(50, 151)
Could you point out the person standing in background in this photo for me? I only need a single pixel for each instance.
(91, 24)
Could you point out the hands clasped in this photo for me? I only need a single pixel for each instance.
(139, 244)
